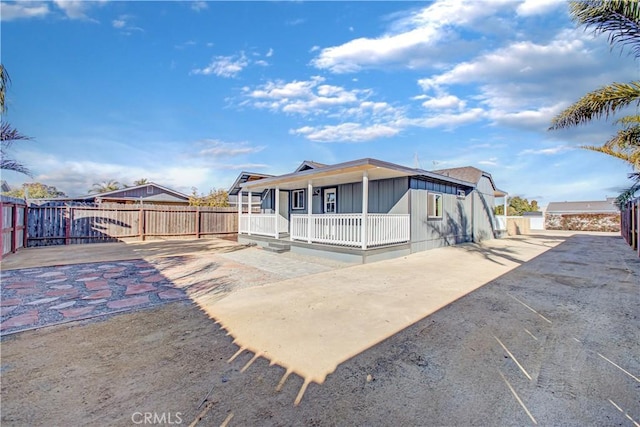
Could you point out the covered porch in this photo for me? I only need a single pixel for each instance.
(360, 230)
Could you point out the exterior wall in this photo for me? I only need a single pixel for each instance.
(454, 227)
(385, 196)
(483, 213)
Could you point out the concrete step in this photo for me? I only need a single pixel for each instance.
(276, 250)
(280, 245)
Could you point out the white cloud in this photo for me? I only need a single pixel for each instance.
(269, 54)
(302, 97)
(224, 66)
(74, 9)
(199, 6)
(118, 23)
(23, 10)
(346, 132)
(215, 148)
(409, 38)
(546, 151)
(538, 7)
(444, 102)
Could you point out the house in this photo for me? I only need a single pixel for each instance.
(595, 215)
(256, 199)
(367, 209)
(149, 193)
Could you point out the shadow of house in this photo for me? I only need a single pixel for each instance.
(58, 223)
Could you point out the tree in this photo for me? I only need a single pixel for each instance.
(217, 198)
(106, 186)
(8, 135)
(141, 181)
(620, 20)
(36, 191)
(517, 206)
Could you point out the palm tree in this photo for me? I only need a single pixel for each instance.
(141, 181)
(620, 19)
(105, 186)
(8, 135)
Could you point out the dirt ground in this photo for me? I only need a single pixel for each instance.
(489, 358)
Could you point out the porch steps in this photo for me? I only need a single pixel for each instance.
(278, 247)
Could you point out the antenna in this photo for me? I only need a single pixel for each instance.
(416, 161)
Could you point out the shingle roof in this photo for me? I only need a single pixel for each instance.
(467, 173)
(597, 206)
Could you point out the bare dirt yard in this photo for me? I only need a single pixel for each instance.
(552, 340)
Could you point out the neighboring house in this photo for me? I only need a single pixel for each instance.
(368, 209)
(598, 215)
(4, 187)
(149, 193)
(256, 199)
(536, 219)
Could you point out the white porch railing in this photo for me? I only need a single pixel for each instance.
(346, 229)
(261, 224)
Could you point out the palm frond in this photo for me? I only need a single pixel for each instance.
(629, 156)
(5, 81)
(619, 18)
(601, 102)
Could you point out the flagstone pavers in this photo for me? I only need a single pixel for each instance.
(37, 297)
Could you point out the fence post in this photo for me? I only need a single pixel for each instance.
(197, 212)
(141, 218)
(25, 222)
(67, 226)
(14, 227)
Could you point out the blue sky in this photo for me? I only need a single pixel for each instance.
(191, 93)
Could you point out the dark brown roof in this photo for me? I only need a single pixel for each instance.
(467, 173)
(597, 206)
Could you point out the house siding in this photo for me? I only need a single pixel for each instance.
(385, 196)
(483, 214)
(456, 225)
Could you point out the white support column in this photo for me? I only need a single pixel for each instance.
(365, 208)
(309, 209)
(249, 214)
(506, 197)
(277, 209)
(239, 209)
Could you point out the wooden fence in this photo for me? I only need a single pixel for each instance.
(73, 224)
(12, 218)
(630, 224)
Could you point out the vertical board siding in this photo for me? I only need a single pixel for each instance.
(57, 225)
(455, 226)
(384, 195)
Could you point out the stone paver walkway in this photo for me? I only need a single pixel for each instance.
(36, 297)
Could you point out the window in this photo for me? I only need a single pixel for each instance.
(149, 189)
(434, 205)
(330, 200)
(297, 199)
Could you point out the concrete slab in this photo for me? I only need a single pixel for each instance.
(310, 326)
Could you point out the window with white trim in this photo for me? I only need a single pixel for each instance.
(434, 205)
(297, 199)
(149, 189)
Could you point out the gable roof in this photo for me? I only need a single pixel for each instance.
(597, 206)
(471, 174)
(245, 177)
(118, 194)
(352, 170)
(309, 164)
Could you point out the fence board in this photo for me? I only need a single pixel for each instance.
(12, 220)
(77, 224)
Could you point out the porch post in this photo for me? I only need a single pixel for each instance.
(365, 208)
(506, 196)
(239, 210)
(277, 209)
(249, 214)
(309, 209)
